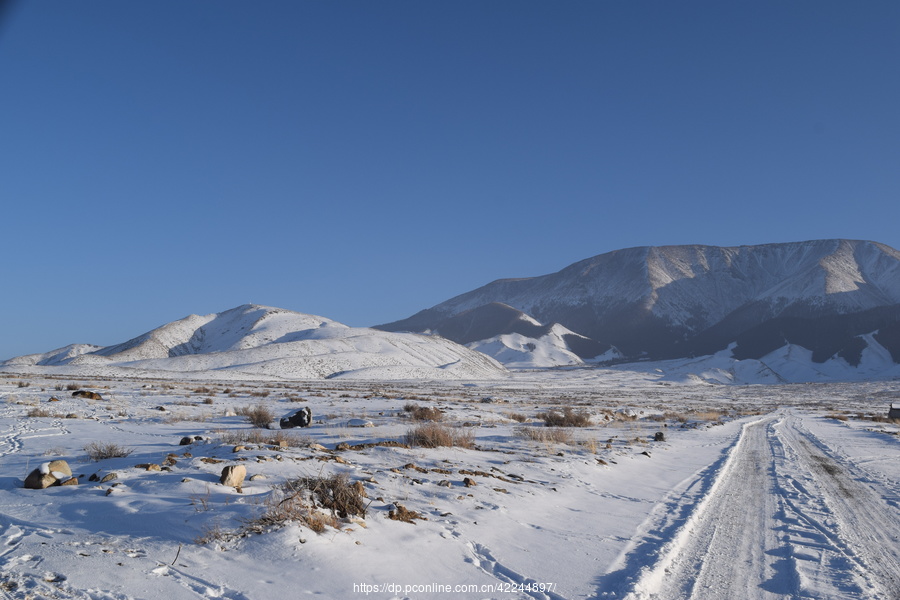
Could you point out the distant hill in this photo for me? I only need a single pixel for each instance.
(834, 298)
(266, 342)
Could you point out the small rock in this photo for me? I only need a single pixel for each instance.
(315, 446)
(445, 483)
(469, 482)
(148, 466)
(233, 475)
(360, 423)
(659, 436)
(70, 481)
(109, 477)
(186, 441)
(239, 448)
(257, 477)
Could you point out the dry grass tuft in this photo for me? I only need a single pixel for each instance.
(100, 451)
(567, 418)
(301, 500)
(401, 513)
(258, 416)
(423, 413)
(434, 435)
(255, 436)
(552, 435)
(40, 412)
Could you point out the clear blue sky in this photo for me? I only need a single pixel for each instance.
(365, 160)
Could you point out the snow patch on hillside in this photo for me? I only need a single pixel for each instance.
(519, 351)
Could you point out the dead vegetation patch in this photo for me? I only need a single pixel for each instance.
(435, 435)
(258, 416)
(263, 437)
(569, 417)
(102, 450)
(546, 435)
(423, 413)
(401, 513)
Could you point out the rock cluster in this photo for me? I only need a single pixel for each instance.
(56, 472)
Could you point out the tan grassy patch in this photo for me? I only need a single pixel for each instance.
(434, 435)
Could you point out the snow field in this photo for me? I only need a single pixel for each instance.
(602, 516)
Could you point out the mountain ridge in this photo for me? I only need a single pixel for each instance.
(665, 301)
(254, 340)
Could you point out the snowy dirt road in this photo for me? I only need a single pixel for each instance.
(784, 517)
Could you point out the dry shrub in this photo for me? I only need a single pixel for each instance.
(39, 412)
(100, 451)
(837, 417)
(214, 533)
(300, 501)
(258, 416)
(708, 415)
(423, 413)
(255, 436)
(401, 513)
(517, 417)
(334, 493)
(567, 418)
(434, 435)
(555, 435)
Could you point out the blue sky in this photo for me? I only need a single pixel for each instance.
(365, 160)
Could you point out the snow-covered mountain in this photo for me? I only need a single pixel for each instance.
(261, 341)
(680, 301)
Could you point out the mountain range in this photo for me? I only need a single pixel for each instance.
(266, 342)
(835, 298)
(797, 311)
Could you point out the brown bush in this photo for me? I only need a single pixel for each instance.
(517, 417)
(423, 413)
(557, 435)
(434, 435)
(258, 416)
(567, 418)
(100, 451)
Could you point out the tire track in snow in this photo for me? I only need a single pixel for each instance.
(857, 517)
(783, 518)
(721, 551)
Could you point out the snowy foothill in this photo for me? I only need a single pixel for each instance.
(643, 501)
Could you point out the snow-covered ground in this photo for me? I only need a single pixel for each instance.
(756, 492)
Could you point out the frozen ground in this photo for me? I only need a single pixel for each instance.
(756, 492)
